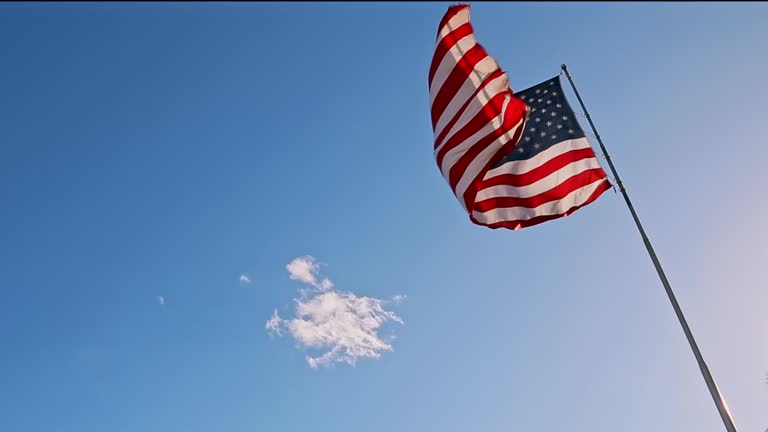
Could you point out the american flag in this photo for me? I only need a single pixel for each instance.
(512, 160)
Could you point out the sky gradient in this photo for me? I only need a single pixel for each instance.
(156, 151)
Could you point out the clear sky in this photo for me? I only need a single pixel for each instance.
(154, 150)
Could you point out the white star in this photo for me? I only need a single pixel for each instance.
(546, 91)
(538, 91)
(553, 114)
(536, 145)
(554, 136)
(533, 109)
(559, 106)
(543, 134)
(549, 102)
(527, 138)
(537, 119)
(532, 129)
(559, 126)
(549, 123)
(521, 150)
(554, 93)
(551, 83)
(543, 110)
(571, 131)
(564, 117)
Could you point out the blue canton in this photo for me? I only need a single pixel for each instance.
(550, 120)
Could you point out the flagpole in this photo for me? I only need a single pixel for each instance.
(713, 390)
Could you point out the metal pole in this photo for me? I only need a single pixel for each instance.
(713, 390)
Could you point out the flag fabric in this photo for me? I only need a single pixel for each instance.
(512, 160)
(551, 172)
(475, 115)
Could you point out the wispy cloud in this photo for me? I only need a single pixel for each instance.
(161, 300)
(343, 326)
(399, 299)
(245, 279)
(273, 325)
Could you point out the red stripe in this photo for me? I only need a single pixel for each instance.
(490, 111)
(555, 194)
(457, 170)
(445, 44)
(464, 67)
(471, 193)
(512, 116)
(463, 108)
(541, 171)
(519, 224)
(467, 156)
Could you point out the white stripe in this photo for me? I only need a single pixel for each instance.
(573, 199)
(479, 73)
(541, 186)
(478, 164)
(494, 87)
(448, 64)
(453, 155)
(456, 21)
(526, 165)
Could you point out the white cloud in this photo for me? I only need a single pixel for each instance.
(325, 285)
(161, 300)
(305, 269)
(341, 324)
(245, 279)
(399, 298)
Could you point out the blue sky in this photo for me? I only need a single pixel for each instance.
(163, 150)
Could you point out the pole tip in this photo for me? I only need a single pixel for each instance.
(563, 66)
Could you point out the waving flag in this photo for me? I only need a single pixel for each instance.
(505, 171)
(475, 116)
